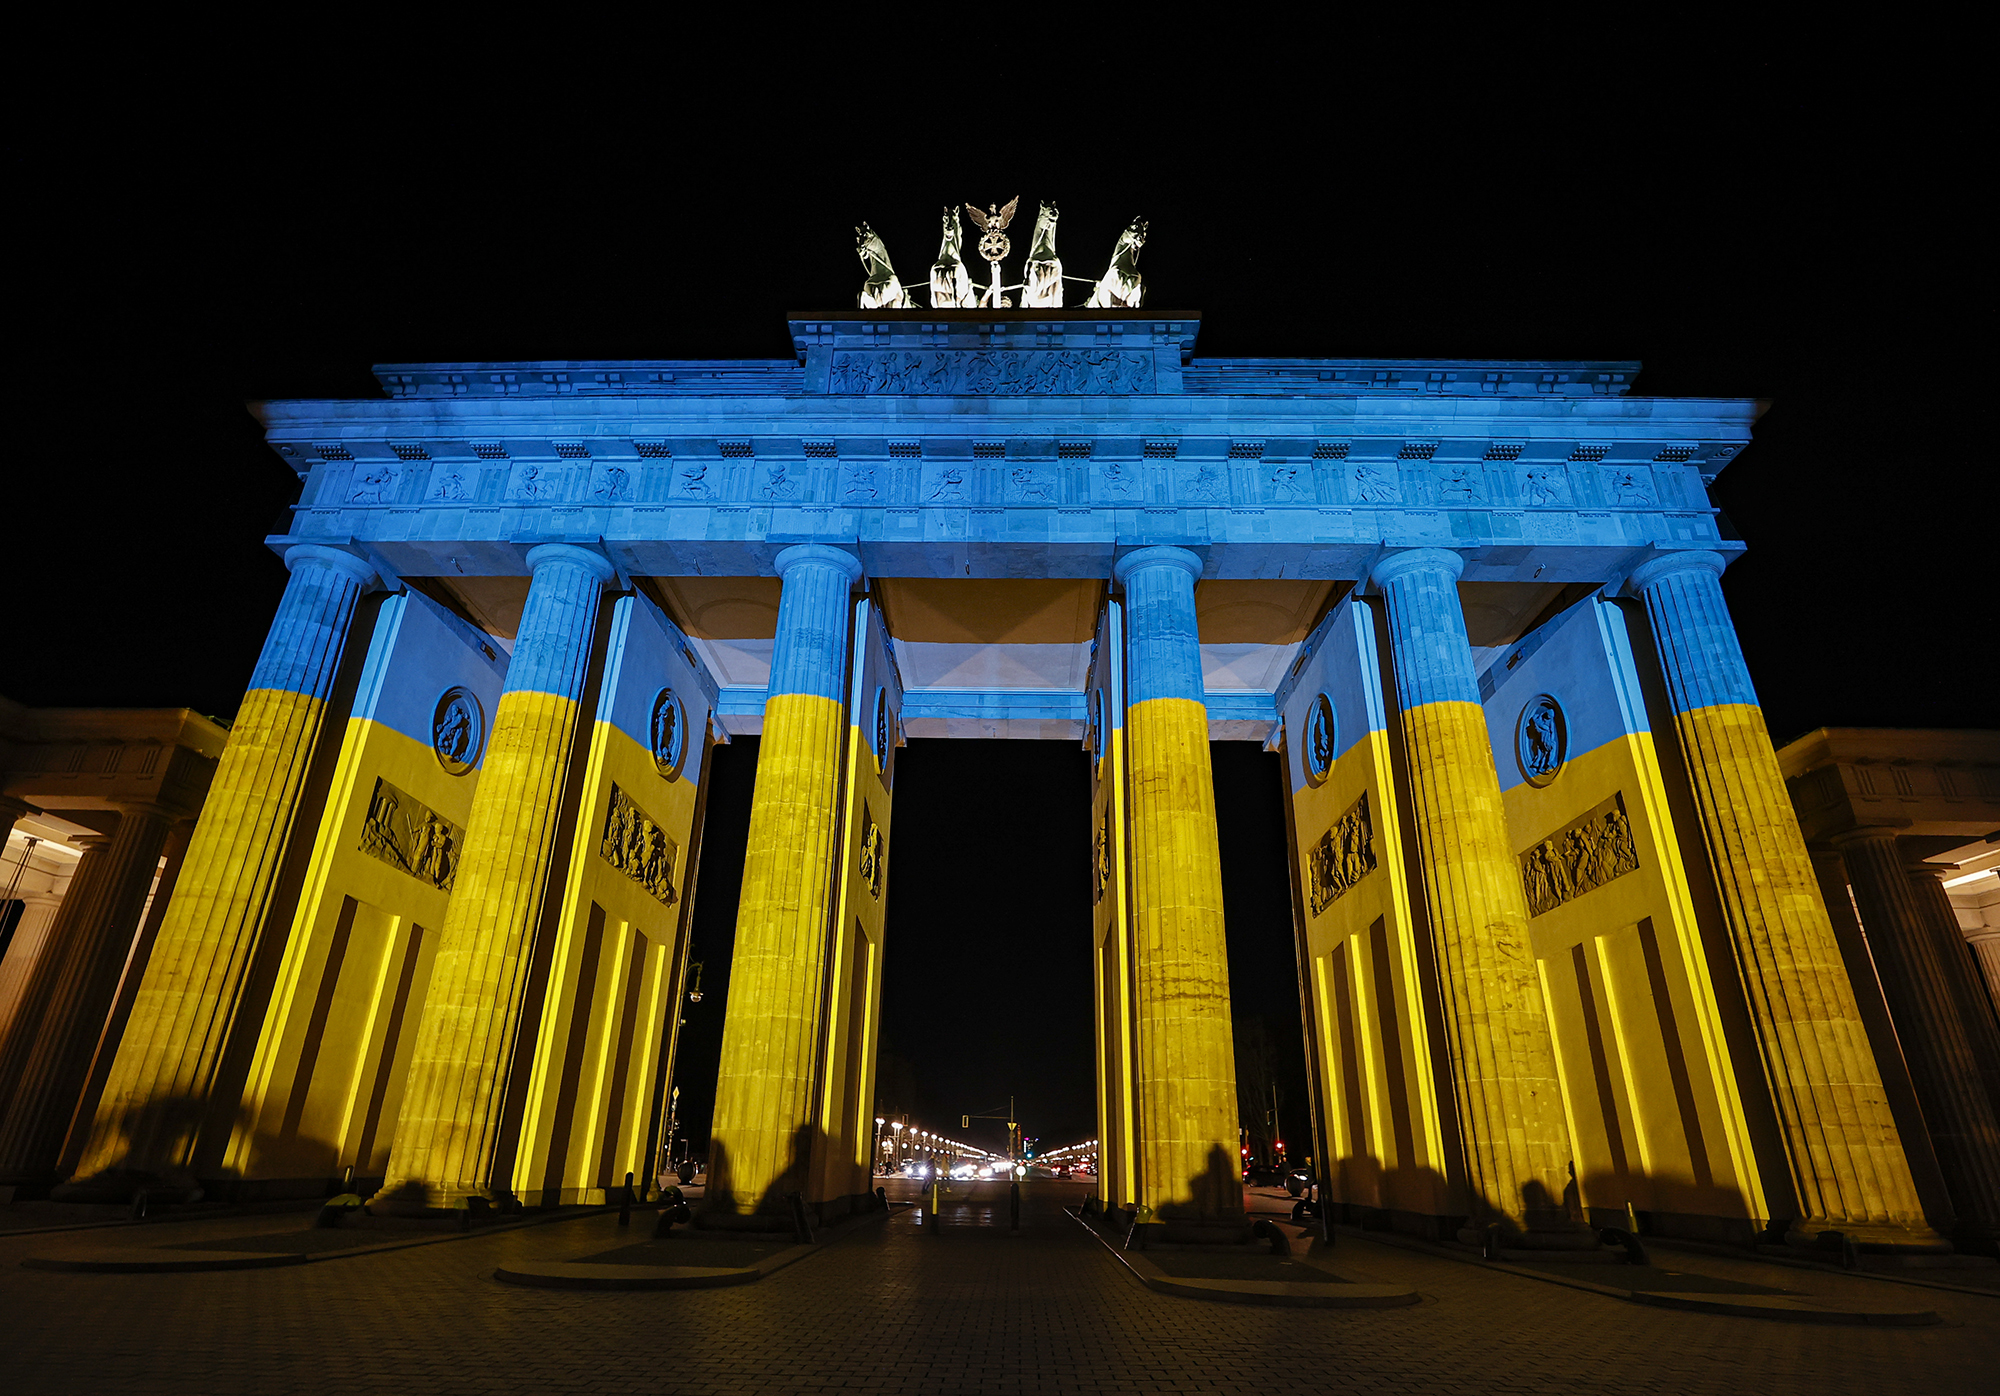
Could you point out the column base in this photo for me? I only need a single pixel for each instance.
(1874, 1238)
(412, 1198)
(120, 1185)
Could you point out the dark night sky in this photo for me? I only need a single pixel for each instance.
(224, 220)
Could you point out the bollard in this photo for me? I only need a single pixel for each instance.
(937, 1206)
(625, 1203)
(1014, 1204)
(673, 1208)
(1269, 1230)
(139, 1205)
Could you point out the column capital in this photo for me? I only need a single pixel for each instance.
(300, 554)
(13, 808)
(1159, 556)
(1408, 560)
(820, 555)
(589, 559)
(1666, 564)
(1865, 834)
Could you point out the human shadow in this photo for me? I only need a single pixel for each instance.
(154, 1137)
(724, 1202)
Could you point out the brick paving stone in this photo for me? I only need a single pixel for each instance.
(895, 1310)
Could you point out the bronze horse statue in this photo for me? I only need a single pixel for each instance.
(881, 291)
(1119, 286)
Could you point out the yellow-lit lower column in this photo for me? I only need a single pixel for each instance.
(1846, 1159)
(761, 1144)
(1515, 1134)
(1185, 1069)
(156, 1099)
(448, 1128)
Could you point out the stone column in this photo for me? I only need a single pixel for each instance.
(18, 1044)
(73, 986)
(158, 1091)
(1975, 1010)
(1986, 946)
(1846, 1159)
(448, 1129)
(1185, 1067)
(1510, 1109)
(1936, 1046)
(763, 1134)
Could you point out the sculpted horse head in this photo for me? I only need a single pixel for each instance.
(954, 239)
(1125, 256)
(1043, 248)
(873, 252)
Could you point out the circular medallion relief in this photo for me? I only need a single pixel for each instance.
(669, 733)
(882, 731)
(1541, 740)
(1321, 739)
(458, 729)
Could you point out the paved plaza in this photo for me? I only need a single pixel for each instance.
(891, 1308)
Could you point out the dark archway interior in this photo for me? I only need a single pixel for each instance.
(987, 984)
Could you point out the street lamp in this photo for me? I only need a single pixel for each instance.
(897, 1125)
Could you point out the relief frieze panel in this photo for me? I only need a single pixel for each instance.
(410, 836)
(874, 863)
(637, 846)
(1580, 857)
(985, 372)
(1344, 855)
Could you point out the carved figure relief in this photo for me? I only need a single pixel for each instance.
(1541, 740)
(669, 732)
(458, 728)
(1374, 484)
(694, 481)
(1548, 485)
(879, 733)
(874, 853)
(1120, 481)
(617, 484)
(534, 483)
(451, 485)
(1343, 856)
(1285, 486)
(1459, 484)
(408, 834)
(1580, 857)
(950, 484)
(374, 485)
(1031, 484)
(1629, 487)
(983, 371)
(778, 483)
(639, 848)
(1320, 740)
(1100, 860)
(860, 484)
(1207, 484)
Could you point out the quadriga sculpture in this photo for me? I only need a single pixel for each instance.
(1042, 283)
(1119, 286)
(951, 283)
(881, 291)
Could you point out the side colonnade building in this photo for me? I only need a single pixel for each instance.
(1563, 955)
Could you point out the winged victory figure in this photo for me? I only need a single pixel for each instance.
(881, 291)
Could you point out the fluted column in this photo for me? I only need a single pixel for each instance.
(1944, 1071)
(448, 1128)
(1516, 1138)
(158, 1091)
(764, 1128)
(1961, 975)
(79, 975)
(1846, 1158)
(18, 1044)
(1185, 1066)
(1986, 946)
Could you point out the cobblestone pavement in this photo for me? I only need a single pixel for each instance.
(893, 1309)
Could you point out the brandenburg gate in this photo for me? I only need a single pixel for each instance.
(1561, 949)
